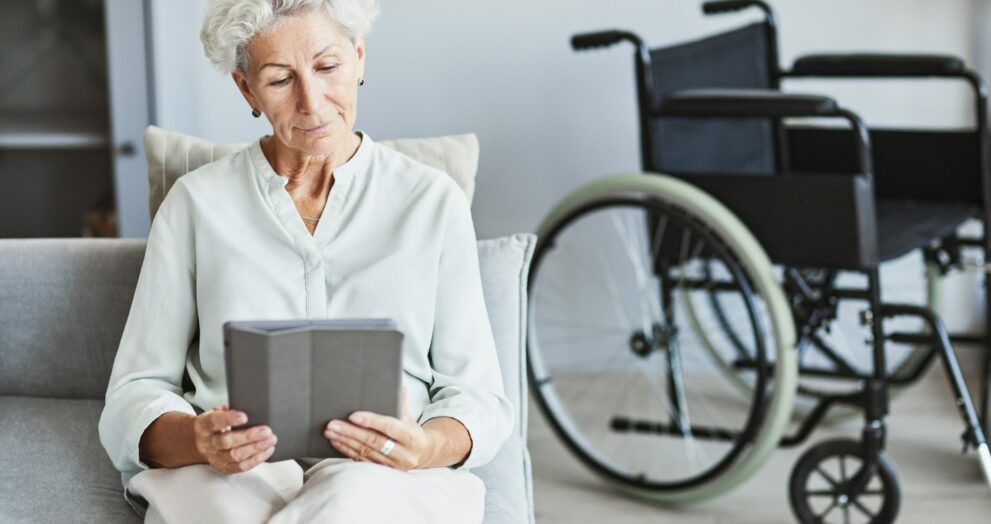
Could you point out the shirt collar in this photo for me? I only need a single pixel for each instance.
(358, 163)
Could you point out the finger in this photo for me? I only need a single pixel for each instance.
(233, 439)
(219, 420)
(370, 437)
(250, 462)
(345, 450)
(404, 413)
(246, 451)
(357, 450)
(389, 426)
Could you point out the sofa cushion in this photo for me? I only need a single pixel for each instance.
(171, 154)
(53, 468)
(63, 304)
(72, 298)
(505, 265)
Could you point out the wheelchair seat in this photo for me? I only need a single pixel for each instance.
(905, 225)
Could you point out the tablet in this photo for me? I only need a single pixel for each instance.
(295, 376)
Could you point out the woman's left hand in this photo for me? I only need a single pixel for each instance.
(363, 435)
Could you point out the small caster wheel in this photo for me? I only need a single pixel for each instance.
(821, 482)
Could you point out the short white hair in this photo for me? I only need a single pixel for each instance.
(230, 24)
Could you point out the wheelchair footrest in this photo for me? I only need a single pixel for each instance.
(625, 424)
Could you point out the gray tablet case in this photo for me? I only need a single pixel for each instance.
(295, 376)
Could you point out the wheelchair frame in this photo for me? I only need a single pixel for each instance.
(852, 227)
(737, 193)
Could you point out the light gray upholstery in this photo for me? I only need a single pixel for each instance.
(63, 304)
(505, 265)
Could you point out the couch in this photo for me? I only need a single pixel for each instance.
(63, 305)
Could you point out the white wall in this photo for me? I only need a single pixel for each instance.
(550, 119)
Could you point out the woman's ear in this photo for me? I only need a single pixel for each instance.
(359, 47)
(242, 85)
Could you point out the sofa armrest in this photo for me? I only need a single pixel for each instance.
(504, 264)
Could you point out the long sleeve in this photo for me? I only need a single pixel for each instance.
(146, 380)
(467, 381)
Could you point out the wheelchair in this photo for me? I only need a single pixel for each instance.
(764, 272)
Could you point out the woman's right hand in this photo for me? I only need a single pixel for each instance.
(230, 451)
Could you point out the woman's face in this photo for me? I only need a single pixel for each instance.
(303, 75)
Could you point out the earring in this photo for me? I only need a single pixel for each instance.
(255, 113)
(361, 81)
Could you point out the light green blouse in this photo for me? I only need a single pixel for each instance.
(395, 239)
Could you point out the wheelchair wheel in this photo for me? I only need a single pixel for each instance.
(820, 486)
(614, 362)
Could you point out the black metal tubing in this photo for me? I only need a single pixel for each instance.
(970, 242)
(873, 397)
(906, 378)
(968, 339)
(644, 80)
(773, 65)
(713, 8)
(974, 433)
(980, 90)
(675, 384)
(844, 368)
(812, 420)
(626, 424)
(875, 392)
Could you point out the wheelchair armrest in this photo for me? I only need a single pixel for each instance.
(744, 103)
(718, 7)
(877, 65)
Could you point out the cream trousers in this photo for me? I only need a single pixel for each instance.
(333, 490)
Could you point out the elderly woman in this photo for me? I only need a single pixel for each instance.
(312, 221)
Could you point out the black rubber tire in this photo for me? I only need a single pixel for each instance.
(809, 463)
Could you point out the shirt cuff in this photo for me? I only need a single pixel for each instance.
(478, 455)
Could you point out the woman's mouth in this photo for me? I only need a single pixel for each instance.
(316, 129)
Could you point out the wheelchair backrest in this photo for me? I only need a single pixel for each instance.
(735, 59)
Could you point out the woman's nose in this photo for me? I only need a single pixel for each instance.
(309, 95)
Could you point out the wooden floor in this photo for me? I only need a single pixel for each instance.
(938, 483)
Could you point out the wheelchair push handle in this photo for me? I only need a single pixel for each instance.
(601, 39)
(719, 7)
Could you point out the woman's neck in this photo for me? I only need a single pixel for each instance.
(307, 173)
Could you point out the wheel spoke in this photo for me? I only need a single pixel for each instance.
(829, 478)
(863, 509)
(831, 507)
(658, 238)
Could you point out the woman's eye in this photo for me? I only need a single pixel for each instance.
(328, 69)
(281, 82)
